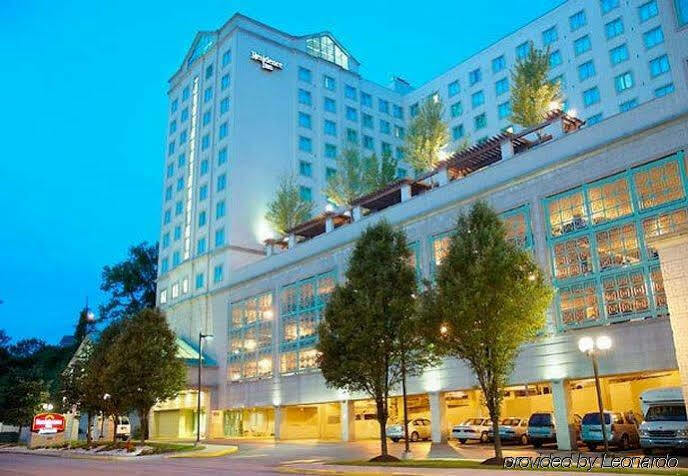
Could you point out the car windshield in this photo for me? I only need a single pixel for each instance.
(540, 419)
(594, 419)
(666, 413)
(473, 421)
(511, 421)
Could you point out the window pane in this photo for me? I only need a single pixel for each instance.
(618, 247)
(567, 214)
(661, 225)
(579, 304)
(572, 258)
(659, 184)
(625, 294)
(609, 201)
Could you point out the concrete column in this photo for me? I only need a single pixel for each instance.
(329, 224)
(356, 213)
(556, 129)
(405, 192)
(438, 417)
(292, 240)
(347, 420)
(278, 421)
(561, 396)
(673, 259)
(442, 176)
(507, 149)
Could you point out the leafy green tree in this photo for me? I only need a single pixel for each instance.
(22, 392)
(360, 334)
(288, 209)
(82, 326)
(145, 368)
(378, 172)
(427, 135)
(350, 181)
(26, 348)
(131, 283)
(82, 387)
(532, 92)
(489, 298)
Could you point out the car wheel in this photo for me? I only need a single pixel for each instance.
(395, 440)
(537, 444)
(591, 446)
(415, 436)
(462, 441)
(524, 439)
(623, 443)
(483, 437)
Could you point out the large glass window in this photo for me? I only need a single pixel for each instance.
(517, 224)
(579, 303)
(301, 306)
(325, 47)
(250, 338)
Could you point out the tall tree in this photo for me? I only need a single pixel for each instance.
(82, 326)
(360, 333)
(489, 298)
(533, 94)
(131, 283)
(288, 209)
(378, 172)
(427, 135)
(22, 391)
(349, 182)
(146, 368)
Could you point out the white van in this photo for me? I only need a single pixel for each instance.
(665, 424)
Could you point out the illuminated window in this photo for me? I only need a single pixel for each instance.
(618, 247)
(658, 292)
(663, 224)
(572, 258)
(658, 185)
(609, 201)
(250, 338)
(579, 304)
(325, 47)
(625, 294)
(517, 224)
(440, 249)
(567, 214)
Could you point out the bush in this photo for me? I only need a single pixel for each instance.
(9, 437)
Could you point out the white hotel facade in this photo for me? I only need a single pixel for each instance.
(250, 104)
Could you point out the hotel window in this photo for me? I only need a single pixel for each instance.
(498, 64)
(609, 200)
(567, 214)
(581, 45)
(204, 167)
(454, 88)
(477, 99)
(549, 36)
(224, 82)
(352, 114)
(226, 57)
(413, 110)
(475, 76)
(205, 142)
(224, 105)
(170, 149)
(330, 173)
(579, 304)
(350, 92)
(170, 170)
(185, 94)
(325, 47)
(305, 74)
(659, 66)
(555, 59)
(329, 105)
(681, 12)
(383, 106)
(305, 144)
(609, 5)
(660, 225)
(218, 273)
(624, 294)
(329, 83)
(164, 265)
(399, 153)
(623, 82)
(502, 86)
(368, 143)
(628, 105)
(184, 115)
(182, 137)
(305, 97)
(224, 130)
(174, 105)
(209, 72)
(618, 247)
(619, 54)
(386, 149)
(591, 96)
(367, 121)
(578, 20)
(199, 280)
(250, 338)
(440, 248)
(165, 240)
(330, 151)
(456, 109)
(504, 110)
(480, 121)
(201, 246)
(173, 127)
(180, 184)
(399, 132)
(207, 116)
(168, 193)
(219, 237)
(176, 259)
(614, 28)
(305, 168)
(572, 258)
(330, 128)
(586, 70)
(457, 132)
(397, 111)
(305, 120)
(177, 233)
(201, 219)
(664, 90)
(208, 94)
(219, 210)
(163, 296)
(181, 160)
(517, 226)
(306, 193)
(175, 290)
(385, 127)
(222, 156)
(352, 136)
(203, 192)
(647, 10)
(366, 99)
(658, 185)
(653, 37)
(523, 50)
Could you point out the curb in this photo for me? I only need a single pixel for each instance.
(206, 454)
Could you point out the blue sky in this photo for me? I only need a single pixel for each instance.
(83, 117)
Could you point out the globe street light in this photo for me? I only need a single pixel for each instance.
(592, 347)
(201, 336)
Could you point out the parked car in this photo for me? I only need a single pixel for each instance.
(472, 429)
(123, 427)
(419, 429)
(665, 425)
(622, 430)
(512, 429)
(542, 428)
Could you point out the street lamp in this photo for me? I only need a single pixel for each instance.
(201, 336)
(48, 407)
(592, 347)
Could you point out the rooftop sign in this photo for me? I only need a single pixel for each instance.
(266, 62)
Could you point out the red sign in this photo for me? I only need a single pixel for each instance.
(48, 423)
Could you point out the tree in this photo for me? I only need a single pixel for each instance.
(350, 181)
(427, 135)
(288, 209)
(26, 348)
(359, 335)
(131, 283)
(378, 173)
(489, 298)
(532, 92)
(146, 368)
(22, 391)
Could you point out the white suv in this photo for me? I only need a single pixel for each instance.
(472, 429)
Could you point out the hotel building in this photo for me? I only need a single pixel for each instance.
(594, 201)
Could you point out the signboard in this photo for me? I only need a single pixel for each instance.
(46, 423)
(266, 62)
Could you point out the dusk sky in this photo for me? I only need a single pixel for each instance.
(84, 114)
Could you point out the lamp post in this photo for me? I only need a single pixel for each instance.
(592, 347)
(201, 336)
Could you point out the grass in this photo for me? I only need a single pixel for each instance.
(463, 464)
(99, 446)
